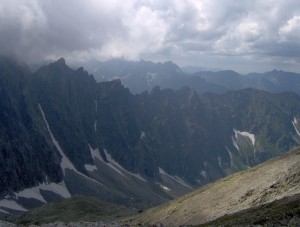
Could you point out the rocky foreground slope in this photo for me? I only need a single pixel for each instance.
(278, 179)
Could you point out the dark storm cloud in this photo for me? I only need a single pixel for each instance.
(186, 30)
(37, 29)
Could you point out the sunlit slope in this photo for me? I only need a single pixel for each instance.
(262, 184)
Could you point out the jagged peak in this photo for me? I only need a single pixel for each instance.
(60, 61)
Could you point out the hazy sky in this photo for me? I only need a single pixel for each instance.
(243, 35)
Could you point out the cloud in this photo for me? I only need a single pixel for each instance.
(291, 30)
(181, 30)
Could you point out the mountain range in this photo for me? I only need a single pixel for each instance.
(145, 75)
(274, 81)
(63, 134)
(140, 76)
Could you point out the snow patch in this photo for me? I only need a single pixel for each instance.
(161, 171)
(295, 122)
(57, 188)
(246, 134)
(137, 175)
(143, 135)
(112, 163)
(220, 162)
(199, 181)
(90, 168)
(95, 153)
(111, 160)
(235, 144)
(11, 204)
(230, 156)
(203, 173)
(175, 178)
(117, 166)
(31, 193)
(65, 162)
(3, 211)
(164, 187)
(150, 77)
(181, 181)
(115, 169)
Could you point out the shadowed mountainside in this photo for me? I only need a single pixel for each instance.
(63, 134)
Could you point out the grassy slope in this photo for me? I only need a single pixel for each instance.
(273, 180)
(78, 208)
(283, 212)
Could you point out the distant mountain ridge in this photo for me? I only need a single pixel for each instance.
(62, 134)
(273, 81)
(145, 75)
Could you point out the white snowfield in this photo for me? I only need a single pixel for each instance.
(57, 188)
(175, 178)
(11, 204)
(31, 193)
(246, 134)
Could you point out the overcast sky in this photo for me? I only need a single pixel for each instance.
(243, 35)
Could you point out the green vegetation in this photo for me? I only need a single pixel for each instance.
(78, 208)
(266, 194)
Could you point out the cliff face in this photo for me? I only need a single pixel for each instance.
(26, 155)
(59, 127)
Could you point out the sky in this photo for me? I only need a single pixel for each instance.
(242, 35)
